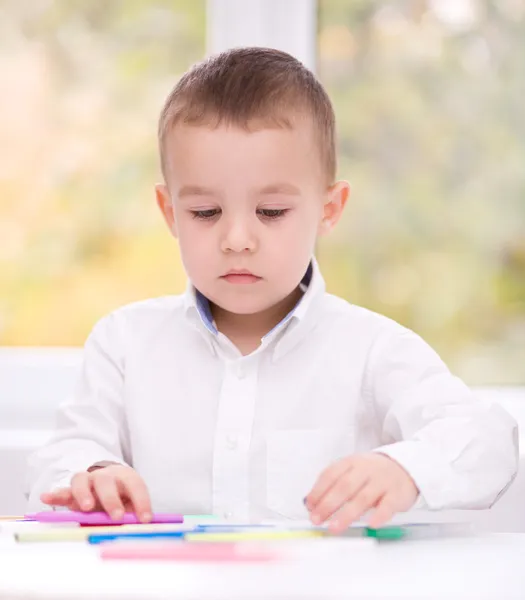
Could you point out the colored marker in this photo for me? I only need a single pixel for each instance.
(99, 518)
(124, 537)
(78, 534)
(241, 536)
(171, 535)
(418, 531)
(351, 532)
(186, 552)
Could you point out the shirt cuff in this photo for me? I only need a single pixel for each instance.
(431, 474)
(82, 466)
(102, 464)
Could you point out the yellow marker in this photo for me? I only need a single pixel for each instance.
(255, 536)
(10, 518)
(80, 534)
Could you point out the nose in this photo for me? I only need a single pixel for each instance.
(238, 237)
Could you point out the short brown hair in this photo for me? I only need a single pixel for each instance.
(243, 85)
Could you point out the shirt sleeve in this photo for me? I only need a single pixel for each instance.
(91, 425)
(460, 451)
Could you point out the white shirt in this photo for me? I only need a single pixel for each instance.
(245, 437)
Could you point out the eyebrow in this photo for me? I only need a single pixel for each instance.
(280, 188)
(195, 190)
(274, 188)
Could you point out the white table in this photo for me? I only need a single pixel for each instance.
(491, 566)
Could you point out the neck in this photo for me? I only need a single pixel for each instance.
(246, 331)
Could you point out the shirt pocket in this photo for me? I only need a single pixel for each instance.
(294, 461)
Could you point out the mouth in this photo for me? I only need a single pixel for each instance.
(241, 276)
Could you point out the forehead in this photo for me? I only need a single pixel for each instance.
(252, 152)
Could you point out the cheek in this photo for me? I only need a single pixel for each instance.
(296, 239)
(193, 241)
(196, 258)
(189, 229)
(308, 225)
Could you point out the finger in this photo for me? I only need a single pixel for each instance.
(365, 499)
(82, 491)
(108, 494)
(383, 512)
(343, 490)
(60, 497)
(325, 481)
(135, 489)
(74, 505)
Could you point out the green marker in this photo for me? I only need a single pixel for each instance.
(419, 531)
(383, 533)
(386, 533)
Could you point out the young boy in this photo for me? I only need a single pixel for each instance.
(255, 389)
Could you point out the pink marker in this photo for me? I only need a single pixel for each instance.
(201, 552)
(99, 518)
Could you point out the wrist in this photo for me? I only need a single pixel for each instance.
(102, 465)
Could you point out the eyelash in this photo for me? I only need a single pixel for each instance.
(271, 214)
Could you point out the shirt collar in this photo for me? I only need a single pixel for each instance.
(198, 312)
(203, 308)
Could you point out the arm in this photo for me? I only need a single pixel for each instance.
(91, 426)
(460, 451)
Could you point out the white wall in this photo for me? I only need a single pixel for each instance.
(288, 25)
(32, 384)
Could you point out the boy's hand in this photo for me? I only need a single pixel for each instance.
(115, 489)
(353, 485)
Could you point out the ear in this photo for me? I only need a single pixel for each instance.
(166, 207)
(334, 202)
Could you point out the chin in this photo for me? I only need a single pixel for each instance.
(244, 306)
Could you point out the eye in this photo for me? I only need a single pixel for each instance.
(205, 215)
(272, 213)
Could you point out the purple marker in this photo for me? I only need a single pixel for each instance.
(99, 518)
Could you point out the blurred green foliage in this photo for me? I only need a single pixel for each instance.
(428, 96)
(82, 87)
(429, 99)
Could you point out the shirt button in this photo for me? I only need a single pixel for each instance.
(227, 515)
(231, 442)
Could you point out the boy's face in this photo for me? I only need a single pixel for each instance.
(246, 207)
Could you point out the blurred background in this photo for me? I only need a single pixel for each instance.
(429, 100)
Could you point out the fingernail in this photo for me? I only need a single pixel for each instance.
(146, 517)
(86, 504)
(316, 519)
(116, 514)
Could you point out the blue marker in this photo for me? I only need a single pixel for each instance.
(135, 535)
(169, 535)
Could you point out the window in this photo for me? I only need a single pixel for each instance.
(428, 95)
(82, 87)
(429, 101)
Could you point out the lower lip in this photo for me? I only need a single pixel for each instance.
(241, 279)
